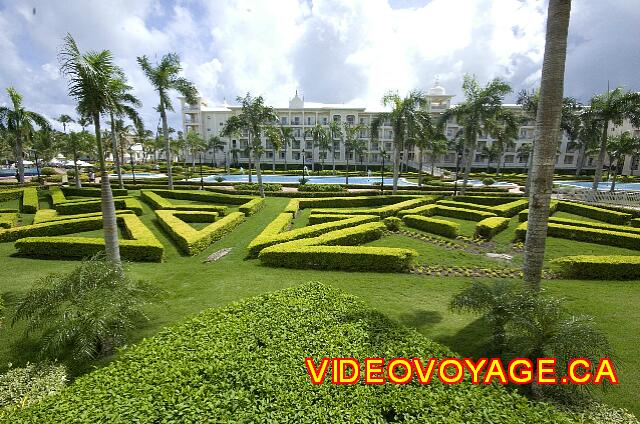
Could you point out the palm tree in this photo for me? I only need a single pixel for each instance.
(350, 140)
(253, 118)
(287, 139)
(76, 143)
(274, 136)
(165, 77)
(334, 132)
(215, 143)
(195, 145)
(403, 115)
(618, 147)
(427, 136)
(123, 104)
(480, 107)
(64, 120)
(20, 124)
(318, 134)
(503, 130)
(324, 144)
(589, 136)
(89, 78)
(613, 107)
(546, 146)
(120, 133)
(492, 153)
(145, 138)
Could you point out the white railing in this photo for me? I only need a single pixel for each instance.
(616, 198)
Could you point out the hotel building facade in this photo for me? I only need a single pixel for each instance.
(208, 121)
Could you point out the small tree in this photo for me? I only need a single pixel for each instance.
(214, 144)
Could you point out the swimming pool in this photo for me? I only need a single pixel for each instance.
(11, 172)
(479, 183)
(141, 175)
(601, 186)
(312, 179)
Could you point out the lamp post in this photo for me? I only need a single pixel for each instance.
(455, 184)
(303, 162)
(133, 167)
(35, 153)
(201, 177)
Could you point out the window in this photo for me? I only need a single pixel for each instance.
(336, 118)
(283, 120)
(296, 120)
(508, 159)
(295, 144)
(281, 155)
(221, 123)
(479, 157)
(310, 121)
(325, 121)
(295, 155)
(568, 160)
(351, 119)
(336, 155)
(364, 121)
(590, 161)
(208, 129)
(269, 155)
(308, 145)
(449, 158)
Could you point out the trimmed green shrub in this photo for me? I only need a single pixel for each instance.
(432, 225)
(353, 202)
(47, 170)
(272, 233)
(141, 245)
(88, 206)
(192, 241)
(8, 219)
(314, 188)
(589, 235)
(158, 202)
(464, 205)
(426, 210)
(50, 215)
(44, 215)
(21, 387)
(635, 222)
(598, 225)
(383, 211)
(252, 206)
(510, 209)
(200, 359)
(492, 200)
(460, 213)
(523, 215)
(321, 218)
(92, 192)
(489, 227)
(593, 212)
(10, 194)
(256, 187)
(392, 223)
(203, 196)
(51, 228)
(293, 206)
(30, 200)
(598, 267)
(488, 181)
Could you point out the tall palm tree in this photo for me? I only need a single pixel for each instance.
(64, 120)
(274, 136)
(503, 130)
(318, 134)
(547, 129)
(20, 124)
(195, 145)
(403, 115)
(324, 144)
(287, 139)
(589, 136)
(165, 77)
(618, 147)
(334, 132)
(350, 142)
(89, 77)
(426, 135)
(254, 117)
(145, 138)
(480, 106)
(613, 107)
(76, 143)
(214, 144)
(123, 104)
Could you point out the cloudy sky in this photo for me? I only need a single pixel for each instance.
(334, 51)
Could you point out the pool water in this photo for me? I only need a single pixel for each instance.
(479, 183)
(139, 175)
(311, 179)
(601, 186)
(11, 172)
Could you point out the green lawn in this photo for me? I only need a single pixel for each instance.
(414, 300)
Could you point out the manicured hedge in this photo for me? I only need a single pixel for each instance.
(30, 200)
(489, 227)
(142, 245)
(460, 213)
(523, 215)
(510, 209)
(465, 205)
(50, 215)
(598, 225)
(383, 211)
(252, 206)
(589, 235)
(91, 191)
(203, 196)
(8, 219)
(599, 267)
(10, 194)
(353, 202)
(635, 222)
(432, 225)
(192, 241)
(593, 212)
(158, 202)
(51, 228)
(245, 363)
(483, 200)
(88, 206)
(293, 206)
(272, 233)
(426, 210)
(320, 218)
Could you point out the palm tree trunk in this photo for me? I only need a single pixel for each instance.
(75, 166)
(615, 175)
(167, 143)
(215, 161)
(258, 175)
(20, 158)
(323, 157)
(273, 171)
(527, 186)
(396, 167)
(420, 169)
(333, 154)
(468, 161)
(347, 173)
(109, 223)
(603, 151)
(286, 168)
(548, 129)
(581, 157)
(114, 148)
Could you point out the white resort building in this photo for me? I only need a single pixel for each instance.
(301, 115)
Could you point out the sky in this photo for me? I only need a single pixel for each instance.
(332, 51)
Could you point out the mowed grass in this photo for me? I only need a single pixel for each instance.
(417, 301)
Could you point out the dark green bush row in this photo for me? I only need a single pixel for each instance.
(589, 235)
(599, 267)
(91, 192)
(460, 213)
(523, 215)
(482, 200)
(598, 225)
(72, 208)
(252, 206)
(8, 219)
(310, 188)
(10, 194)
(432, 225)
(489, 227)
(203, 196)
(30, 200)
(383, 211)
(635, 222)
(325, 217)
(256, 187)
(353, 202)
(465, 205)
(50, 215)
(51, 228)
(157, 202)
(140, 246)
(192, 241)
(510, 209)
(425, 210)
(593, 212)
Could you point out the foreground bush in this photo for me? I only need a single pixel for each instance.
(20, 387)
(245, 363)
(592, 267)
(84, 313)
(314, 188)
